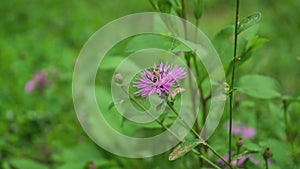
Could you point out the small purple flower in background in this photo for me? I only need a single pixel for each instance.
(30, 85)
(37, 83)
(247, 132)
(243, 130)
(239, 162)
(160, 79)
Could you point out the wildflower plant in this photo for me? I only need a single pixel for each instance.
(235, 44)
(190, 85)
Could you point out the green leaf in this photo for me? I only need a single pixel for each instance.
(240, 155)
(273, 166)
(259, 86)
(223, 43)
(257, 42)
(110, 62)
(23, 163)
(248, 21)
(251, 147)
(184, 148)
(181, 48)
(146, 41)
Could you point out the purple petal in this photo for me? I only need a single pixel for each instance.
(247, 132)
(40, 78)
(30, 86)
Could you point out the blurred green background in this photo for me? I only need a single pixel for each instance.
(40, 130)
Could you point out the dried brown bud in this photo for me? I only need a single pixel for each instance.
(176, 92)
(92, 165)
(239, 143)
(118, 78)
(267, 154)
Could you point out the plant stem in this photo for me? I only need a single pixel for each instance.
(209, 162)
(285, 107)
(267, 164)
(237, 160)
(202, 99)
(183, 12)
(149, 113)
(232, 78)
(218, 155)
(198, 136)
(193, 99)
(153, 5)
(177, 114)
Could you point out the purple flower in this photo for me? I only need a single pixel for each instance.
(243, 130)
(159, 79)
(30, 85)
(37, 83)
(40, 77)
(239, 162)
(247, 132)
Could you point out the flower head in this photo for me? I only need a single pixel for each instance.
(37, 82)
(160, 79)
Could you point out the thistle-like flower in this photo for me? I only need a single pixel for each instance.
(159, 79)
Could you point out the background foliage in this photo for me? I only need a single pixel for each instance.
(40, 129)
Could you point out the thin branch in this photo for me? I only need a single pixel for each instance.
(232, 77)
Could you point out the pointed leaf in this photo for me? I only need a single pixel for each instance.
(240, 155)
(251, 147)
(184, 148)
(248, 21)
(259, 86)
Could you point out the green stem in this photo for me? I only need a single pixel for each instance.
(149, 113)
(237, 160)
(218, 155)
(285, 106)
(177, 114)
(209, 162)
(232, 78)
(183, 12)
(193, 99)
(202, 99)
(267, 164)
(153, 5)
(198, 136)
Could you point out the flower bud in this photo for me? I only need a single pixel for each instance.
(239, 143)
(118, 78)
(91, 165)
(267, 154)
